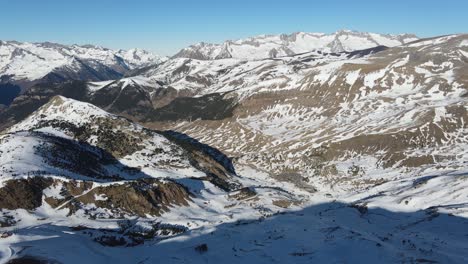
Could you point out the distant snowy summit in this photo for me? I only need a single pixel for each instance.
(22, 62)
(272, 46)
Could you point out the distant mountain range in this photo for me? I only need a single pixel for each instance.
(33, 61)
(25, 64)
(272, 46)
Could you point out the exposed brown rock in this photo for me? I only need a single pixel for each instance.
(141, 197)
(23, 193)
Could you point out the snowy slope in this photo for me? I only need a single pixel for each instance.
(335, 117)
(67, 118)
(201, 77)
(272, 46)
(66, 154)
(324, 233)
(389, 126)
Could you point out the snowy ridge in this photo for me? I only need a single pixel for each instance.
(246, 77)
(124, 82)
(272, 46)
(33, 61)
(76, 114)
(136, 58)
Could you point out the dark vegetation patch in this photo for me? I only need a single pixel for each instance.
(105, 132)
(213, 106)
(243, 194)
(133, 101)
(294, 177)
(6, 219)
(365, 52)
(156, 230)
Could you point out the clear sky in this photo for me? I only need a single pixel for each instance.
(164, 27)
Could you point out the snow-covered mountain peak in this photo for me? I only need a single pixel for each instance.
(26, 62)
(271, 46)
(139, 57)
(137, 81)
(60, 108)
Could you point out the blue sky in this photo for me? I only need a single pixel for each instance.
(165, 27)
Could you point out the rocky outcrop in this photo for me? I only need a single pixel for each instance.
(23, 193)
(143, 197)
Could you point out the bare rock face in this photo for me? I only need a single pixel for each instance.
(144, 197)
(23, 194)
